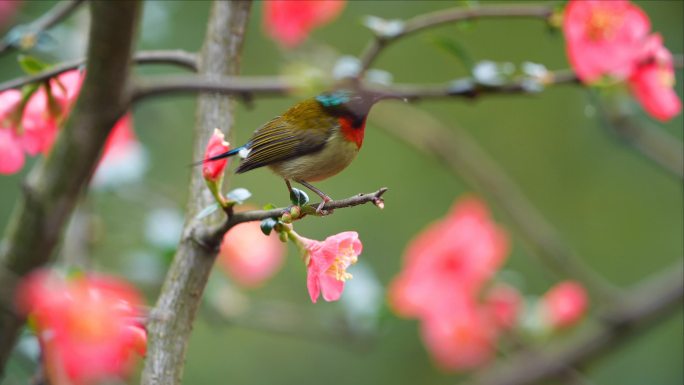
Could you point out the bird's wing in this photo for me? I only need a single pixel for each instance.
(280, 140)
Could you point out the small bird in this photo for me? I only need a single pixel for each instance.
(313, 140)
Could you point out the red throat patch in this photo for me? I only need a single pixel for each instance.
(353, 133)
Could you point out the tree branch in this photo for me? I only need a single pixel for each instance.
(268, 85)
(640, 308)
(463, 157)
(60, 11)
(174, 57)
(437, 18)
(53, 186)
(653, 143)
(227, 85)
(172, 318)
(213, 236)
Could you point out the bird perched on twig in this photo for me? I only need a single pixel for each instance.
(313, 140)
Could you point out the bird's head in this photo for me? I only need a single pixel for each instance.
(352, 105)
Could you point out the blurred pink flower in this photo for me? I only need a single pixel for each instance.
(461, 336)
(213, 170)
(564, 304)
(456, 254)
(290, 22)
(87, 325)
(503, 304)
(11, 154)
(604, 37)
(248, 256)
(32, 127)
(327, 264)
(653, 81)
(44, 113)
(8, 8)
(446, 268)
(120, 140)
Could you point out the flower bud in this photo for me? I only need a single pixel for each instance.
(213, 169)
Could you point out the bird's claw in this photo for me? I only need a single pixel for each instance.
(319, 209)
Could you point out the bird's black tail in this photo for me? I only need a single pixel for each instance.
(226, 154)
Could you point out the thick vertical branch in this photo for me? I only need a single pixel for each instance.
(171, 321)
(53, 187)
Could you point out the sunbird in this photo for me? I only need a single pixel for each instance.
(312, 141)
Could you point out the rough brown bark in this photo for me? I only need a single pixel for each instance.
(171, 320)
(51, 190)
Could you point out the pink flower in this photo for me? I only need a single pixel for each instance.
(87, 325)
(290, 22)
(7, 10)
(564, 304)
(503, 303)
(11, 154)
(44, 113)
(213, 170)
(327, 264)
(248, 256)
(457, 254)
(604, 37)
(653, 81)
(121, 141)
(461, 337)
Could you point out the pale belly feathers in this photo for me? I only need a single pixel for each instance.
(337, 154)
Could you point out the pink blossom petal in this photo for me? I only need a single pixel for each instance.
(213, 170)
(604, 37)
(331, 288)
(290, 22)
(248, 256)
(652, 83)
(11, 153)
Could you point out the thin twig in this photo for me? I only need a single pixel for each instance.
(652, 142)
(268, 85)
(173, 57)
(59, 12)
(227, 85)
(437, 18)
(214, 235)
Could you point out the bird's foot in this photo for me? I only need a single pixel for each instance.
(319, 209)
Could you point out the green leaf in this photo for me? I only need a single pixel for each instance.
(269, 206)
(239, 195)
(298, 197)
(30, 65)
(207, 211)
(455, 48)
(267, 225)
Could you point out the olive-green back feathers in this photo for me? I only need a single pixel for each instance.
(301, 130)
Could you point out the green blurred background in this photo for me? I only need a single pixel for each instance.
(618, 210)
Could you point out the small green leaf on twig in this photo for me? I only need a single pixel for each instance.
(31, 65)
(239, 195)
(267, 225)
(207, 211)
(298, 197)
